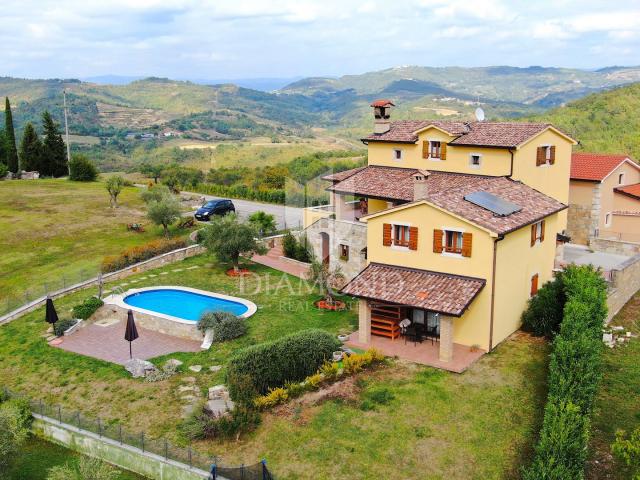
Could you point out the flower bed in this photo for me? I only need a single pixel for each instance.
(336, 305)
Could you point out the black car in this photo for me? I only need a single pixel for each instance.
(214, 207)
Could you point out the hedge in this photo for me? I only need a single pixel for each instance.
(134, 255)
(87, 308)
(574, 375)
(272, 364)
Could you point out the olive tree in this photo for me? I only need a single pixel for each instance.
(114, 186)
(162, 207)
(228, 238)
(325, 278)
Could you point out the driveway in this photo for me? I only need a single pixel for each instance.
(286, 217)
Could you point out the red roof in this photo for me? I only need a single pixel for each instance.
(383, 102)
(594, 166)
(630, 190)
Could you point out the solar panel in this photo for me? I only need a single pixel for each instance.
(497, 205)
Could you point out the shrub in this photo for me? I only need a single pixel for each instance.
(62, 325)
(200, 425)
(353, 363)
(87, 469)
(544, 310)
(329, 370)
(272, 364)
(3, 170)
(627, 450)
(87, 308)
(15, 421)
(134, 255)
(264, 223)
(289, 245)
(81, 169)
(225, 325)
(271, 399)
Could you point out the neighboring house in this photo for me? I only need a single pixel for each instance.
(461, 221)
(603, 198)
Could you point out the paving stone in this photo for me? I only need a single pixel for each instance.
(215, 368)
(193, 267)
(219, 407)
(164, 273)
(172, 363)
(195, 368)
(151, 275)
(177, 269)
(188, 409)
(187, 388)
(189, 380)
(135, 281)
(188, 398)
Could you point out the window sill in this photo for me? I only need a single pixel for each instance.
(435, 159)
(400, 247)
(452, 255)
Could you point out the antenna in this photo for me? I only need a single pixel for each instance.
(479, 114)
(66, 129)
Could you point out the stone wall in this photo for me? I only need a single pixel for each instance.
(124, 456)
(579, 224)
(614, 246)
(624, 284)
(352, 234)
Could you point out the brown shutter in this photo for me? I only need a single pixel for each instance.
(443, 151)
(425, 149)
(542, 231)
(386, 234)
(533, 234)
(437, 241)
(534, 285)
(540, 160)
(552, 160)
(467, 240)
(413, 238)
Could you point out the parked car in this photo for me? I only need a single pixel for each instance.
(214, 207)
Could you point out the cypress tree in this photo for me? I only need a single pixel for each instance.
(30, 149)
(3, 147)
(10, 139)
(54, 156)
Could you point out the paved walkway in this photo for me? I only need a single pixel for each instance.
(108, 343)
(273, 259)
(424, 353)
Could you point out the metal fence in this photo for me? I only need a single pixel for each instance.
(115, 431)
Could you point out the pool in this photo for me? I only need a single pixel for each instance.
(183, 304)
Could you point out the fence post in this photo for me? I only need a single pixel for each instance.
(120, 432)
(99, 428)
(142, 441)
(242, 471)
(213, 471)
(190, 459)
(264, 469)
(78, 417)
(59, 413)
(166, 450)
(41, 408)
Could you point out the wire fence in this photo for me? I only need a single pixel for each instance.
(161, 447)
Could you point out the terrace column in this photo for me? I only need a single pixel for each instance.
(340, 207)
(446, 338)
(364, 321)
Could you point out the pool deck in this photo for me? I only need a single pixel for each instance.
(108, 343)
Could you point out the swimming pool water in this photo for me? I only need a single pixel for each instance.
(183, 304)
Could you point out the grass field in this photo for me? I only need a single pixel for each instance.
(50, 229)
(37, 457)
(435, 425)
(618, 401)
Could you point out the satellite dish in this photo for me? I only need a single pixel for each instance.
(479, 114)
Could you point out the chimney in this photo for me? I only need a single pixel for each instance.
(381, 115)
(420, 189)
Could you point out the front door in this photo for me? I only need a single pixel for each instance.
(325, 247)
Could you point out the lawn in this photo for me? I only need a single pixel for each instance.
(57, 231)
(618, 401)
(420, 423)
(37, 457)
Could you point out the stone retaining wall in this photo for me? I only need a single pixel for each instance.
(614, 246)
(624, 284)
(124, 456)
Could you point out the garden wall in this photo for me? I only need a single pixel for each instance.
(624, 284)
(614, 246)
(155, 262)
(124, 456)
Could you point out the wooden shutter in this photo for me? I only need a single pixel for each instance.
(437, 241)
(425, 149)
(542, 231)
(540, 156)
(413, 238)
(443, 151)
(552, 158)
(533, 234)
(386, 234)
(466, 244)
(534, 285)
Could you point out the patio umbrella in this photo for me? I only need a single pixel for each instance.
(51, 316)
(131, 333)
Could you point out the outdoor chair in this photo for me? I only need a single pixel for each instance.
(432, 333)
(415, 333)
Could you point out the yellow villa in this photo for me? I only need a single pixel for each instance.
(447, 232)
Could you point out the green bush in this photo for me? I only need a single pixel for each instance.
(289, 245)
(201, 425)
(81, 169)
(15, 421)
(62, 325)
(3, 171)
(272, 364)
(225, 325)
(544, 311)
(627, 451)
(87, 308)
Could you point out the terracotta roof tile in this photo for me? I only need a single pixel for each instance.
(447, 191)
(630, 190)
(594, 166)
(491, 134)
(383, 102)
(438, 292)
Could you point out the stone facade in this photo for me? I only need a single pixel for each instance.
(625, 283)
(614, 246)
(340, 232)
(579, 223)
(364, 321)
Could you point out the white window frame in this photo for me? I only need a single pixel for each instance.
(438, 158)
(471, 155)
(538, 233)
(547, 155)
(444, 253)
(621, 176)
(607, 219)
(393, 235)
(395, 156)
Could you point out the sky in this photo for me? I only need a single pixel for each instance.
(294, 38)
